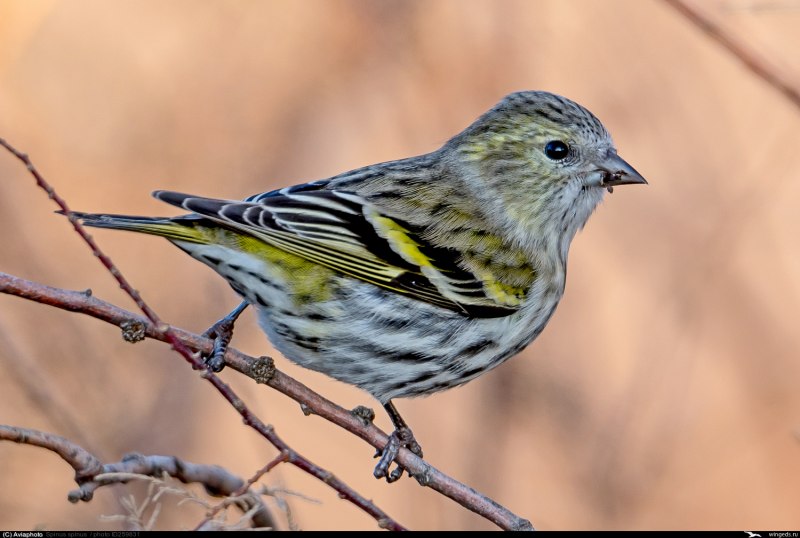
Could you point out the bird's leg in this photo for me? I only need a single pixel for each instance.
(222, 332)
(401, 437)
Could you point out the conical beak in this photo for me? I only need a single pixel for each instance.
(617, 172)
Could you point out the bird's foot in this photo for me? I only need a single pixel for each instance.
(222, 332)
(399, 438)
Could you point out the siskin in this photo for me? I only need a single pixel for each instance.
(414, 276)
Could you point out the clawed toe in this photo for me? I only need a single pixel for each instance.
(400, 438)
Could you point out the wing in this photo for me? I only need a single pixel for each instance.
(346, 233)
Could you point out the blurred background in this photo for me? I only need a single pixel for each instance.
(664, 393)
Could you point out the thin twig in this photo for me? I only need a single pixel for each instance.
(245, 487)
(267, 431)
(751, 60)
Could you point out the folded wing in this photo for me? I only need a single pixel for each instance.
(346, 233)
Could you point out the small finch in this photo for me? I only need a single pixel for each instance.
(410, 277)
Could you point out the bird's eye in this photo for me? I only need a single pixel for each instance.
(556, 150)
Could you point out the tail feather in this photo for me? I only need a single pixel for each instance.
(180, 229)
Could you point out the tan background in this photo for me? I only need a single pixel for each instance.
(664, 393)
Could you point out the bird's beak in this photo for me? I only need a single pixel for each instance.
(615, 171)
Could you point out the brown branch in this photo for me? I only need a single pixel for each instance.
(751, 60)
(89, 472)
(262, 370)
(266, 431)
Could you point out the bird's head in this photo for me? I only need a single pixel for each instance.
(546, 159)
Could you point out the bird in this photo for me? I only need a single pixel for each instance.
(412, 276)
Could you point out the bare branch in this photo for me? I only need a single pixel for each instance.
(263, 371)
(752, 61)
(86, 465)
(90, 474)
(268, 432)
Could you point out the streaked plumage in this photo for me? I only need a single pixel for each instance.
(413, 276)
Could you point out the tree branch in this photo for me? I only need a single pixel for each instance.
(755, 63)
(90, 474)
(262, 370)
(164, 330)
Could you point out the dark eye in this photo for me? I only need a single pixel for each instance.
(556, 150)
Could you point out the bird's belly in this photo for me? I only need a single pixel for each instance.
(393, 346)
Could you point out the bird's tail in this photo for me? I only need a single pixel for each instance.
(175, 229)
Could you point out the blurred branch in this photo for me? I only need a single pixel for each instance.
(751, 60)
(262, 370)
(90, 474)
(30, 378)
